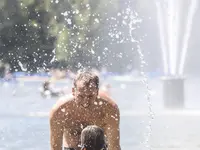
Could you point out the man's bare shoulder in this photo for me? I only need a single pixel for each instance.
(108, 101)
(111, 109)
(62, 104)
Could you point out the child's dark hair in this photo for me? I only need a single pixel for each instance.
(92, 138)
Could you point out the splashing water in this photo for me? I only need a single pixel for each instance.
(54, 56)
(22, 66)
(133, 21)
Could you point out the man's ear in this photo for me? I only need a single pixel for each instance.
(73, 91)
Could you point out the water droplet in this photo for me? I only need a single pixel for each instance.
(96, 20)
(100, 103)
(63, 110)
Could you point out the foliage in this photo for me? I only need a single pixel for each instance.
(36, 33)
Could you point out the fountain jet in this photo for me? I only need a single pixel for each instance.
(169, 22)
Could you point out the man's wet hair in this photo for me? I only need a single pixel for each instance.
(92, 138)
(87, 77)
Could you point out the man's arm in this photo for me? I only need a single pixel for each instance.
(56, 128)
(112, 129)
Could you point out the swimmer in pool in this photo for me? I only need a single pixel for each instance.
(48, 90)
(92, 138)
(86, 106)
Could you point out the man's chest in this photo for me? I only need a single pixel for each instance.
(81, 120)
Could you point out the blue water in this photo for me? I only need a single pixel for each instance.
(24, 117)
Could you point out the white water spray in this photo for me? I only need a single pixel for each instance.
(22, 66)
(162, 37)
(169, 25)
(176, 35)
(133, 21)
(170, 35)
(192, 10)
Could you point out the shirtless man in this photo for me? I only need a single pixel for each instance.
(86, 106)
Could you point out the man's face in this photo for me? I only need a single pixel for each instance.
(85, 94)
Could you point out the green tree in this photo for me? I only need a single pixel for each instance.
(78, 38)
(33, 31)
(25, 40)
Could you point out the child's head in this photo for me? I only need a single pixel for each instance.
(92, 138)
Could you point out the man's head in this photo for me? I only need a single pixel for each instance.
(92, 138)
(86, 87)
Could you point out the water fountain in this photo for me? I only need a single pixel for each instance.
(174, 46)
